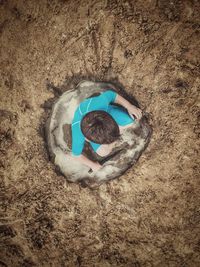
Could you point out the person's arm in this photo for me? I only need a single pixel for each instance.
(132, 110)
(95, 166)
(113, 97)
(78, 141)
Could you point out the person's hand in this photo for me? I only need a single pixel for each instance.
(96, 166)
(137, 112)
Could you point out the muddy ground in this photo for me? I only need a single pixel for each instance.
(150, 216)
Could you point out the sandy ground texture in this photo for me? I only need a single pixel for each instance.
(148, 217)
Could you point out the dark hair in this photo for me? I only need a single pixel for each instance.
(99, 127)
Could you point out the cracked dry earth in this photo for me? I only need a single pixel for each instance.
(148, 217)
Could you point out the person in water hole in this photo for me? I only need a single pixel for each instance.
(100, 122)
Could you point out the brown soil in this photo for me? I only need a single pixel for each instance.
(149, 216)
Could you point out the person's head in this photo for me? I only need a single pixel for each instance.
(99, 127)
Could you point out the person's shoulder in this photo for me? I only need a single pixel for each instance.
(76, 124)
(77, 134)
(110, 94)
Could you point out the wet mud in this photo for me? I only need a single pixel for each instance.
(58, 136)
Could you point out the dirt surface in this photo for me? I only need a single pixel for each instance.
(148, 217)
